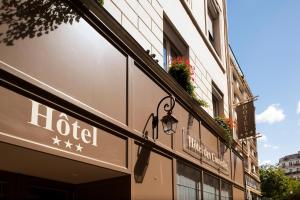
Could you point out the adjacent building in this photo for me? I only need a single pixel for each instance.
(291, 165)
(89, 111)
(241, 93)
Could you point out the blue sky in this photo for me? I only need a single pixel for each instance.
(265, 37)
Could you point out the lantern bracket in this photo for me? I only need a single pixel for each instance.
(167, 119)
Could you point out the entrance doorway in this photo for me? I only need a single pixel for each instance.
(21, 187)
(26, 174)
(17, 186)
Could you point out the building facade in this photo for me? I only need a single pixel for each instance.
(189, 28)
(241, 93)
(290, 164)
(85, 94)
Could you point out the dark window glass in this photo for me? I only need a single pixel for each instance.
(165, 55)
(173, 43)
(174, 52)
(216, 108)
(170, 52)
(210, 27)
(210, 187)
(217, 101)
(188, 183)
(226, 191)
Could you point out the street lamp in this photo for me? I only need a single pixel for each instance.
(169, 122)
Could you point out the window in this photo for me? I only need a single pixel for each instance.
(210, 187)
(170, 52)
(217, 101)
(252, 152)
(226, 191)
(236, 99)
(188, 183)
(253, 168)
(255, 154)
(210, 27)
(283, 165)
(246, 163)
(173, 43)
(212, 22)
(215, 106)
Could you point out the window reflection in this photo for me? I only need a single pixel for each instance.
(188, 183)
(210, 187)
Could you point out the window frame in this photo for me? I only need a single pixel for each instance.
(230, 196)
(217, 101)
(172, 42)
(210, 25)
(216, 188)
(168, 48)
(198, 181)
(213, 14)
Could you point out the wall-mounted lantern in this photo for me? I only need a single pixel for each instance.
(169, 122)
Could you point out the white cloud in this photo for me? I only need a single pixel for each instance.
(298, 111)
(265, 162)
(263, 138)
(270, 146)
(298, 108)
(271, 115)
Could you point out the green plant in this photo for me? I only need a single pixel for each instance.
(227, 125)
(182, 71)
(276, 185)
(201, 102)
(100, 2)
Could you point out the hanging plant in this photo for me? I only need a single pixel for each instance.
(100, 2)
(201, 102)
(227, 124)
(181, 70)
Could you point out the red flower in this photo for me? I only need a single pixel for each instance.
(184, 61)
(231, 123)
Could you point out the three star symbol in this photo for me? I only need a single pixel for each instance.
(78, 147)
(67, 143)
(56, 140)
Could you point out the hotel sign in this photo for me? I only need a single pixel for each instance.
(63, 129)
(197, 149)
(31, 124)
(246, 120)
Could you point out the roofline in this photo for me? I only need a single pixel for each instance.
(237, 62)
(240, 71)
